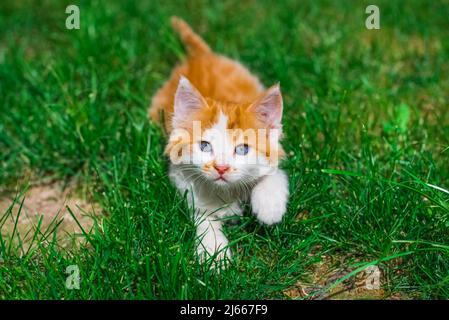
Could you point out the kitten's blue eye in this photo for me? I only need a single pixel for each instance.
(242, 149)
(205, 146)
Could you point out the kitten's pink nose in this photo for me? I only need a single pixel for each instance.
(222, 168)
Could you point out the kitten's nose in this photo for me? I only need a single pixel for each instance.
(222, 168)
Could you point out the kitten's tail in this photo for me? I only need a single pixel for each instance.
(193, 42)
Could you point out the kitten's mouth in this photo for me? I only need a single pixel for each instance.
(221, 179)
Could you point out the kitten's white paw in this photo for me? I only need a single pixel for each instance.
(221, 256)
(213, 244)
(206, 253)
(269, 198)
(269, 209)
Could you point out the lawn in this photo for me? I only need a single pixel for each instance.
(366, 122)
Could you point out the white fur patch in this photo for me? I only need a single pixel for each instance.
(269, 198)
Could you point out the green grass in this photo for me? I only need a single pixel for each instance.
(366, 127)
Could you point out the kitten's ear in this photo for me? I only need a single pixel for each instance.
(268, 107)
(187, 102)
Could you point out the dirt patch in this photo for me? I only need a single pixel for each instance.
(48, 202)
(330, 280)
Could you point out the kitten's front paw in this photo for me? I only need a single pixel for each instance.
(269, 209)
(219, 256)
(269, 199)
(214, 246)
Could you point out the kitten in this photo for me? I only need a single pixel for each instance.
(224, 131)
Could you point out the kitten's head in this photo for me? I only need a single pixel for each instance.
(224, 143)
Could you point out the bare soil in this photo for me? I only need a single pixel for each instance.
(48, 202)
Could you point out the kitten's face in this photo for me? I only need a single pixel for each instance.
(222, 143)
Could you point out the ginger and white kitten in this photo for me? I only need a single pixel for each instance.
(224, 132)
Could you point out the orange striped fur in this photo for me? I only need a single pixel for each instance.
(225, 84)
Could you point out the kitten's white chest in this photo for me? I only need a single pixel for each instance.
(202, 194)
